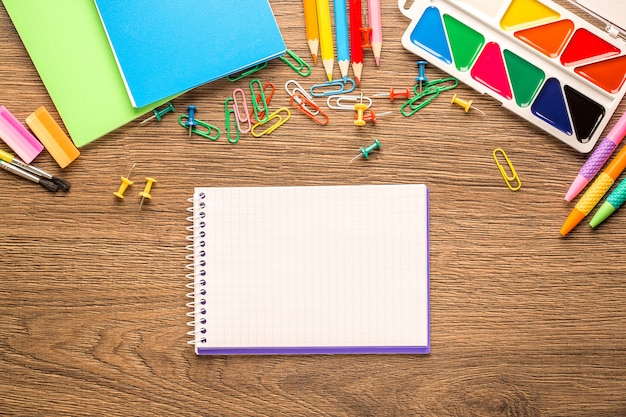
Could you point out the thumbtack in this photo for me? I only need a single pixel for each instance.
(360, 109)
(365, 152)
(146, 191)
(466, 104)
(371, 116)
(191, 122)
(366, 33)
(421, 78)
(393, 94)
(158, 114)
(124, 185)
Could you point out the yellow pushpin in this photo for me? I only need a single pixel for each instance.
(146, 191)
(465, 104)
(360, 110)
(124, 185)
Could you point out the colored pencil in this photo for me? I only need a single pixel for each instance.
(373, 9)
(356, 48)
(326, 36)
(341, 37)
(312, 33)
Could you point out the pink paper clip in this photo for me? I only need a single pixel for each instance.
(23, 143)
(242, 116)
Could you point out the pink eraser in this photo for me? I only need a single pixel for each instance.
(23, 143)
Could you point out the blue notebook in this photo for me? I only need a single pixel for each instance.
(164, 48)
(309, 270)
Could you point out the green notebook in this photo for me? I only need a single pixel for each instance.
(70, 49)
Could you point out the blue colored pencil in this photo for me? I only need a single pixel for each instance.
(341, 35)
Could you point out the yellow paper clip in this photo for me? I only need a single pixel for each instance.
(508, 179)
(276, 115)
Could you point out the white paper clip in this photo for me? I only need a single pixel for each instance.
(298, 91)
(341, 102)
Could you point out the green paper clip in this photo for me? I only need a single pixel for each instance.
(436, 83)
(343, 88)
(429, 94)
(246, 72)
(280, 121)
(259, 102)
(229, 114)
(205, 134)
(302, 68)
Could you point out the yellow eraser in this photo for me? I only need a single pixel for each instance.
(58, 144)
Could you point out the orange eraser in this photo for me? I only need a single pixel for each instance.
(58, 144)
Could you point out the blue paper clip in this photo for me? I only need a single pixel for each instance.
(276, 115)
(229, 114)
(419, 101)
(302, 68)
(238, 76)
(194, 129)
(337, 83)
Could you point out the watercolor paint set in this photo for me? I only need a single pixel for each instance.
(540, 60)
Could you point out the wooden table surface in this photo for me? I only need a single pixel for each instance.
(92, 290)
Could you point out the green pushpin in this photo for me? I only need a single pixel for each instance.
(158, 114)
(365, 152)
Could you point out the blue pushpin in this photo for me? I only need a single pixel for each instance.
(191, 122)
(421, 78)
(365, 152)
(158, 114)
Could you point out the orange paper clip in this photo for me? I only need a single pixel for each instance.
(308, 107)
(267, 92)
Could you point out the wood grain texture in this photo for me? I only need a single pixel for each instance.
(92, 295)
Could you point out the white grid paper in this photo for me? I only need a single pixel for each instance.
(316, 266)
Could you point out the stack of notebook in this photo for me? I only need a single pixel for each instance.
(105, 63)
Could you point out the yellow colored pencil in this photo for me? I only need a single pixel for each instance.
(326, 36)
(312, 33)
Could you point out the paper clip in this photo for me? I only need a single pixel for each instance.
(229, 114)
(508, 179)
(304, 104)
(259, 102)
(238, 76)
(244, 115)
(430, 93)
(440, 84)
(302, 68)
(336, 102)
(276, 115)
(303, 93)
(194, 129)
(337, 83)
(268, 89)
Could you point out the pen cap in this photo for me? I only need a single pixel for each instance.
(23, 143)
(52, 136)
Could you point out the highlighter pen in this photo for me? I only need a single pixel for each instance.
(598, 158)
(613, 202)
(597, 190)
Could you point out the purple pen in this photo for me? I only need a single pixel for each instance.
(598, 158)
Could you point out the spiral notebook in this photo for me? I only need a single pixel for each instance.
(311, 269)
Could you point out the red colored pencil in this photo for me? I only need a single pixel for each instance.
(356, 49)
